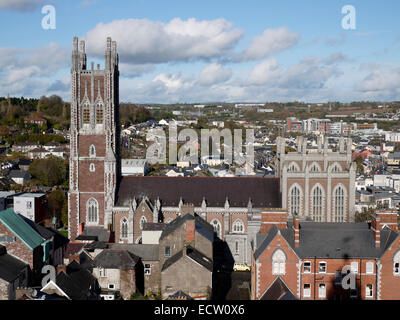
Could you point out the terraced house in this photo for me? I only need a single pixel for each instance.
(305, 260)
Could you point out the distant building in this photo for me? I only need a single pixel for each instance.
(31, 205)
(318, 185)
(20, 176)
(134, 167)
(305, 260)
(35, 119)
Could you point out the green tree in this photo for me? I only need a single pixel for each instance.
(51, 171)
(56, 201)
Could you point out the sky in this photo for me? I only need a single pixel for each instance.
(187, 51)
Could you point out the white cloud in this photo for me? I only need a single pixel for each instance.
(213, 74)
(28, 71)
(144, 41)
(269, 42)
(264, 72)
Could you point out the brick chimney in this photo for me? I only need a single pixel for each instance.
(375, 227)
(296, 229)
(61, 268)
(190, 229)
(270, 217)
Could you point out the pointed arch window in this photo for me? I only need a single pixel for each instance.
(317, 204)
(238, 226)
(278, 262)
(293, 167)
(92, 211)
(336, 168)
(142, 221)
(217, 227)
(339, 204)
(124, 228)
(86, 113)
(92, 151)
(315, 167)
(295, 200)
(99, 113)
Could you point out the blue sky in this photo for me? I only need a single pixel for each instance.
(205, 51)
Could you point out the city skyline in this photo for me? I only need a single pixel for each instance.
(179, 52)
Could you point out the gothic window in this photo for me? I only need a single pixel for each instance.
(142, 221)
(295, 198)
(336, 168)
(293, 167)
(92, 211)
(99, 114)
(317, 204)
(92, 151)
(278, 262)
(124, 228)
(92, 168)
(339, 204)
(217, 227)
(86, 113)
(315, 167)
(238, 226)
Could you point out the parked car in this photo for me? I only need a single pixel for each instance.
(241, 267)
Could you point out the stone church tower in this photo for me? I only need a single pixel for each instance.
(94, 140)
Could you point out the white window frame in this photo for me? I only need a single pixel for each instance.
(92, 168)
(102, 272)
(396, 260)
(320, 291)
(304, 267)
(278, 262)
(369, 292)
(147, 270)
(238, 226)
(354, 267)
(369, 267)
(319, 266)
(308, 291)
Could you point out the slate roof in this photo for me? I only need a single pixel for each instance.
(10, 267)
(278, 291)
(332, 240)
(77, 286)
(148, 252)
(191, 253)
(264, 192)
(179, 295)
(100, 233)
(116, 259)
(20, 228)
(153, 226)
(73, 248)
(201, 226)
(19, 174)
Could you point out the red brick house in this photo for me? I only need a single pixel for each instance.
(305, 260)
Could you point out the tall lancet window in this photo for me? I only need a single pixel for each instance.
(124, 228)
(99, 113)
(339, 204)
(295, 200)
(92, 211)
(317, 206)
(86, 113)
